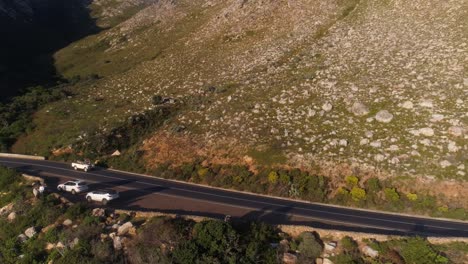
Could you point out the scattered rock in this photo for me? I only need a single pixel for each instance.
(6, 209)
(445, 163)
(384, 116)
(22, 238)
(11, 217)
(116, 153)
(327, 107)
(452, 147)
(59, 245)
(74, 242)
(99, 212)
(456, 131)
(368, 251)
(437, 118)
(330, 246)
(117, 241)
(407, 105)
(49, 246)
(426, 131)
(359, 109)
(124, 229)
(379, 157)
(343, 142)
(289, 258)
(376, 144)
(426, 103)
(30, 232)
(67, 222)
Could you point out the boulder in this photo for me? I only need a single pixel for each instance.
(74, 242)
(99, 212)
(327, 261)
(116, 153)
(368, 251)
(124, 229)
(117, 241)
(327, 107)
(67, 222)
(49, 246)
(59, 245)
(455, 131)
(426, 131)
(407, 105)
(6, 209)
(319, 261)
(384, 116)
(22, 238)
(11, 217)
(289, 258)
(330, 246)
(359, 109)
(30, 232)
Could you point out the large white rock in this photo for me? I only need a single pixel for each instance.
(11, 217)
(67, 222)
(359, 109)
(384, 116)
(407, 105)
(30, 232)
(426, 131)
(124, 229)
(456, 131)
(327, 107)
(368, 251)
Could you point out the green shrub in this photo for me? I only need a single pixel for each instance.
(358, 194)
(418, 250)
(352, 180)
(412, 196)
(391, 194)
(273, 177)
(373, 185)
(309, 248)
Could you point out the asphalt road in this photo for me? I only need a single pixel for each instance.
(143, 193)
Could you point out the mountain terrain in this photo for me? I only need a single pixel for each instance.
(342, 87)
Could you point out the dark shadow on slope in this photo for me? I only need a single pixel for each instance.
(32, 30)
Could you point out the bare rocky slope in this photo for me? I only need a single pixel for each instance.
(379, 85)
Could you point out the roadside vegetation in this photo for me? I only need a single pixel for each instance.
(50, 228)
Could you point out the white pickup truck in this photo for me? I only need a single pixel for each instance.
(82, 165)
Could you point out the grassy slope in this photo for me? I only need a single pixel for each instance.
(276, 64)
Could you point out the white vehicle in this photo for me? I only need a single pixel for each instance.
(103, 196)
(73, 186)
(82, 165)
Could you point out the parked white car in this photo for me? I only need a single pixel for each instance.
(82, 165)
(103, 196)
(73, 186)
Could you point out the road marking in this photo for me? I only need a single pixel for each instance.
(233, 198)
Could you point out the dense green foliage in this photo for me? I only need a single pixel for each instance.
(16, 115)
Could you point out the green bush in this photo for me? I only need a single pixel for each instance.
(358, 194)
(352, 180)
(309, 248)
(273, 177)
(418, 250)
(391, 194)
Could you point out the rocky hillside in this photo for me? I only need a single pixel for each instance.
(378, 85)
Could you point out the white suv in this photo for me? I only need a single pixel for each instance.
(103, 196)
(73, 186)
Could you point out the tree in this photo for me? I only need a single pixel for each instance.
(309, 248)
